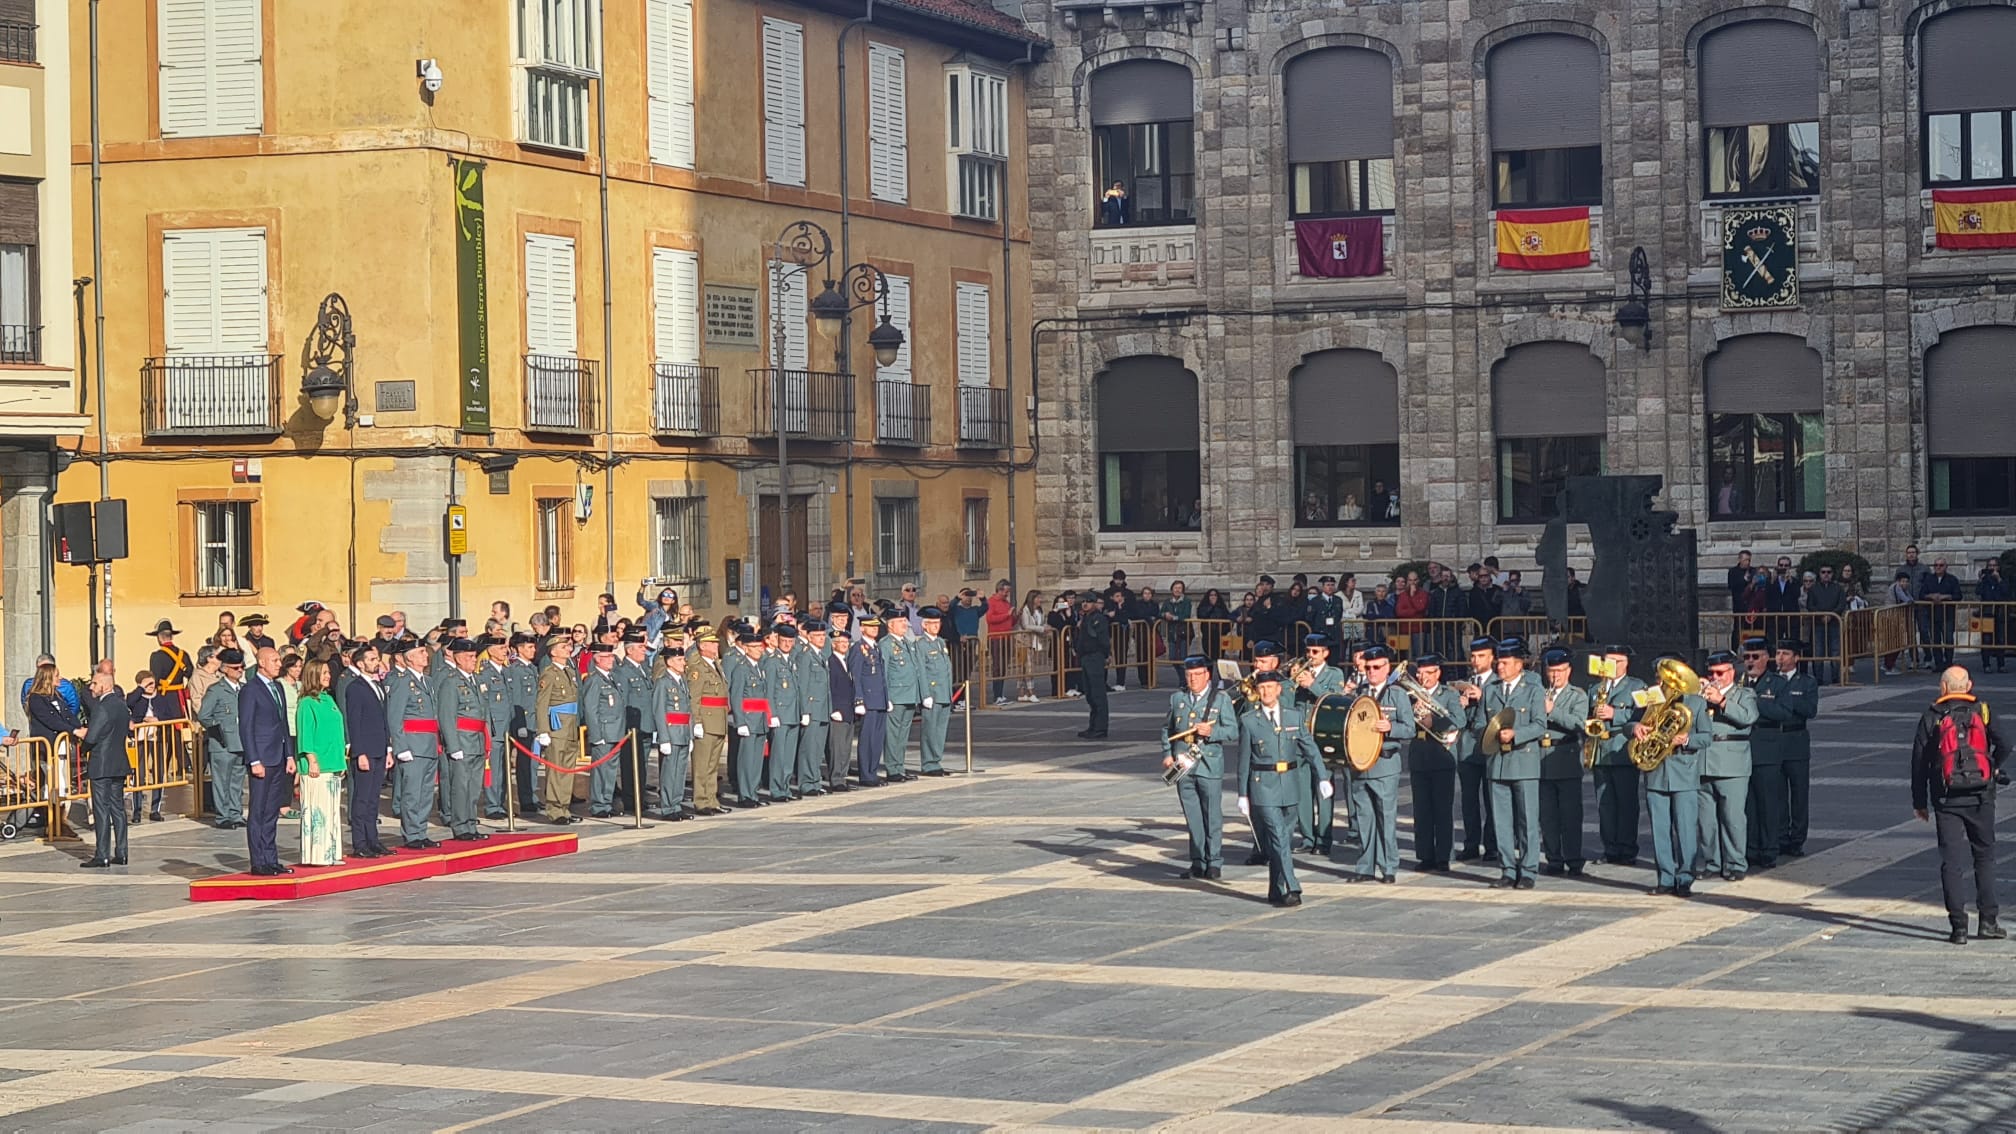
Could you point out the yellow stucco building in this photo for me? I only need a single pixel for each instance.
(438, 170)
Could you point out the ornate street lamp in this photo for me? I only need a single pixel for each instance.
(326, 360)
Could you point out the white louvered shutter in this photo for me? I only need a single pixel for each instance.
(183, 35)
(797, 347)
(888, 126)
(669, 51)
(675, 302)
(212, 77)
(215, 284)
(783, 102)
(550, 317)
(971, 302)
(238, 74)
(899, 317)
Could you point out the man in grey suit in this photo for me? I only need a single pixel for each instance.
(416, 745)
(1725, 770)
(219, 717)
(603, 711)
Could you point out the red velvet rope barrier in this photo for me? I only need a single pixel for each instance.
(578, 769)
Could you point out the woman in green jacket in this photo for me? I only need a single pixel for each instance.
(324, 758)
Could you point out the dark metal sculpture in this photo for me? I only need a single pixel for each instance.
(1642, 589)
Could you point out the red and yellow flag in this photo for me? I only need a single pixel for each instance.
(1975, 218)
(1543, 240)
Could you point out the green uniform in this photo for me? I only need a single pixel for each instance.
(556, 718)
(1314, 814)
(749, 717)
(1274, 753)
(1673, 797)
(1781, 751)
(603, 711)
(1375, 792)
(625, 793)
(1515, 775)
(458, 705)
(498, 690)
(935, 706)
(672, 727)
(732, 662)
(1561, 779)
(1725, 785)
(816, 695)
(788, 718)
(1617, 777)
(1201, 791)
(415, 729)
(219, 717)
(903, 671)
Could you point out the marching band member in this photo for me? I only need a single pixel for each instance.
(1375, 792)
(1561, 766)
(1201, 706)
(1764, 807)
(1431, 768)
(1616, 776)
(1480, 838)
(1515, 771)
(1315, 679)
(1273, 749)
(1798, 702)
(1673, 796)
(1266, 659)
(1725, 769)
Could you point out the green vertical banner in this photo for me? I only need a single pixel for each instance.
(472, 294)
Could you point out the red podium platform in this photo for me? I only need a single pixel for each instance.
(403, 866)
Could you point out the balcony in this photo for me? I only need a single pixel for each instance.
(902, 413)
(1147, 257)
(983, 418)
(812, 405)
(20, 343)
(17, 41)
(211, 395)
(685, 400)
(562, 395)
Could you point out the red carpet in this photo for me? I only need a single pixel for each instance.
(403, 866)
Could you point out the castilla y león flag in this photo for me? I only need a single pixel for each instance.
(1975, 218)
(1347, 246)
(1543, 240)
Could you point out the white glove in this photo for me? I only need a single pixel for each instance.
(741, 730)
(890, 707)
(455, 755)
(1325, 790)
(804, 720)
(773, 722)
(836, 714)
(405, 757)
(698, 731)
(665, 747)
(860, 710)
(545, 741)
(929, 703)
(1245, 808)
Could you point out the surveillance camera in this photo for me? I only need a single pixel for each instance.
(430, 74)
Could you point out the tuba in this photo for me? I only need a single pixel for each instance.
(1669, 719)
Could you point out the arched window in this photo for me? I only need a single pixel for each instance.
(1970, 421)
(1767, 436)
(1546, 115)
(1150, 475)
(1144, 168)
(1344, 414)
(1340, 132)
(1547, 408)
(1760, 109)
(1967, 93)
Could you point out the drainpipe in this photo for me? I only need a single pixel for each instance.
(844, 353)
(608, 305)
(104, 570)
(1008, 341)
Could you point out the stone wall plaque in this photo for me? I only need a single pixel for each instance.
(730, 317)
(395, 397)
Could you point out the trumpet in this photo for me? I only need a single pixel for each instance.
(1426, 711)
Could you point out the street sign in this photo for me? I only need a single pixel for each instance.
(458, 530)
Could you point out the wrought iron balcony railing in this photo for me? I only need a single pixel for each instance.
(211, 395)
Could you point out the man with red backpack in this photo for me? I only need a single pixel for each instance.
(1956, 763)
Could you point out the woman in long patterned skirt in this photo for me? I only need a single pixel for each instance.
(324, 758)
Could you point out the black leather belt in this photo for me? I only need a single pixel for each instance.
(1783, 727)
(1730, 736)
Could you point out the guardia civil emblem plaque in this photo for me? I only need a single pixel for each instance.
(1760, 258)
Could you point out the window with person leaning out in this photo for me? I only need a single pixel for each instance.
(1347, 484)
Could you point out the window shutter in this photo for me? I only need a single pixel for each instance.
(215, 284)
(899, 317)
(888, 126)
(549, 294)
(1966, 56)
(1970, 392)
(1147, 404)
(669, 48)
(783, 102)
(1763, 373)
(538, 285)
(971, 301)
(675, 296)
(1549, 389)
(1141, 90)
(241, 291)
(797, 349)
(237, 75)
(1344, 397)
(560, 260)
(1340, 105)
(1760, 71)
(184, 61)
(1546, 92)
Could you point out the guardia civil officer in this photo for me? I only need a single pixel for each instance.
(1480, 837)
(521, 678)
(1375, 792)
(1314, 680)
(602, 711)
(937, 688)
(1787, 701)
(840, 702)
(1515, 771)
(672, 726)
(750, 717)
(556, 713)
(1673, 797)
(1202, 706)
(1274, 749)
(493, 681)
(1725, 769)
(1093, 641)
(710, 720)
(788, 715)
(869, 675)
(1431, 768)
(1561, 765)
(1795, 756)
(416, 741)
(1616, 776)
(817, 685)
(465, 739)
(633, 677)
(903, 673)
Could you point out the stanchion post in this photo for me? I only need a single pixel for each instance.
(510, 787)
(199, 770)
(969, 728)
(636, 783)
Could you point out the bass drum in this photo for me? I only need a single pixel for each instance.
(1330, 723)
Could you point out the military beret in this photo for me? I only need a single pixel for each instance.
(408, 645)
(1266, 649)
(1421, 660)
(231, 657)
(1483, 644)
(931, 612)
(1795, 645)
(601, 648)
(461, 646)
(786, 630)
(1750, 644)
(838, 608)
(521, 638)
(1377, 653)
(749, 638)
(1268, 677)
(841, 632)
(385, 622)
(1556, 655)
(1196, 661)
(812, 626)
(1512, 648)
(253, 620)
(1721, 657)
(1322, 640)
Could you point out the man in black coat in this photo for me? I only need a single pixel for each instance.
(1094, 638)
(370, 748)
(107, 767)
(840, 731)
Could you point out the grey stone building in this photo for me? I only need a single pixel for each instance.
(1808, 365)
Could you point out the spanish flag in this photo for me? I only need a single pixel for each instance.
(1543, 240)
(1975, 218)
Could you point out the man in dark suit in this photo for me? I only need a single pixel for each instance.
(370, 748)
(107, 766)
(840, 730)
(269, 757)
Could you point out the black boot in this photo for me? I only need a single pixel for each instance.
(1959, 935)
(1991, 930)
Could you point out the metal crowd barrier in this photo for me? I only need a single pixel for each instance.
(32, 779)
(1822, 631)
(1540, 630)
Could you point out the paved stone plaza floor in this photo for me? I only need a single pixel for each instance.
(1012, 950)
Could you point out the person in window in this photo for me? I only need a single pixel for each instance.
(1384, 503)
(1195, 519)
(1725, 497)
(1312, 507)
(1114, 207)
(1350, 511)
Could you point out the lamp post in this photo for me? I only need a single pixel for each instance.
(805, 246)
(326, 360)
(1634, 318)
